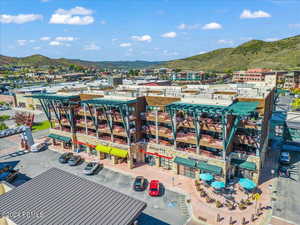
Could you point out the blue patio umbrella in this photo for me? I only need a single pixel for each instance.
(206, 176)
(217, 184)
(247, 183)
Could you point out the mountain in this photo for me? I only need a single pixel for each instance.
(40, 60)
(282, 54)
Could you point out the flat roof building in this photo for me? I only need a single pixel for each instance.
(220, 129)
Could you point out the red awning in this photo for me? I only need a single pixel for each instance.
(155, 154)
(86, 144)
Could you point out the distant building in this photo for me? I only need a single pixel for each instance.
(114, 81)
(292, 80)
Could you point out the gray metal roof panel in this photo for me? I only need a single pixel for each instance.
(64, 198)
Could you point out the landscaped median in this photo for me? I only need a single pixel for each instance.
(41, 126)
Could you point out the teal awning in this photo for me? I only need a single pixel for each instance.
(60, 138)
(244, 164)
(185, 162)
(205, 167)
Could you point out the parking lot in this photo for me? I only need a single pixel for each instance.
(170, 208)
(287, 204)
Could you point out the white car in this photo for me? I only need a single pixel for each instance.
(285, 158)
(38, 147)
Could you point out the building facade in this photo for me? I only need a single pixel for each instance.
(224, 134)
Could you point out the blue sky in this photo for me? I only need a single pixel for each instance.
(140, 29)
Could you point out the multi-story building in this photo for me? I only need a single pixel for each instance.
(292, 80)
(249, 75)
(221, 132)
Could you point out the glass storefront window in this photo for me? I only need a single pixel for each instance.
(166, 163)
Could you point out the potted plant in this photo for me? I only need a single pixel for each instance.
(242, 206)
(207, 199)
(197, 183)
(202, 193)
(248, 202)
(198, 188)
(219, 204)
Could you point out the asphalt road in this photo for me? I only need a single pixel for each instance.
(287, 204)
(170, 208)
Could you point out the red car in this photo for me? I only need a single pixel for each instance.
(154, 188)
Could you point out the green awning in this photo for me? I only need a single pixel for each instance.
(60, 138)
(205, 167)
(244, 164)
(103, 148)
(118, 152)
(185, 162)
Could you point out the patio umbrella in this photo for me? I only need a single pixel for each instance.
(247, 183)
(206, 176)
(217, 184)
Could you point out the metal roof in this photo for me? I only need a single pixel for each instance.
(109, 102)
(57, 197)
(243, 108)
(55, 97)
(236, 108)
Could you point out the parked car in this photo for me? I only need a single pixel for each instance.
(154, 188)
(8, 173)
(139, 183)
(283, 171)
(74, 160)
(285, 158)
(38, 147)
(64, 158)
(91, 168)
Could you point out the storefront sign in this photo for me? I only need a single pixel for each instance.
(86, 144)
(155, 154)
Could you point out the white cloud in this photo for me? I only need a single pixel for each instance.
(19, 19)
(247, 14)
(103, 22)
(229, 42)
(75, 16)
(212, 26)
(37, 48)
(271, 39)
(45, 38)
(145, 37)
(169, 35)
(114, 39)
(78, 10)
(125, 45)
(91, 47)
(55, 43)
(44, 0)
(22, 42)
(296, 25)
(184, 26)
(66, 38)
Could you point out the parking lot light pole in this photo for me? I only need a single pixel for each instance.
(173, 179)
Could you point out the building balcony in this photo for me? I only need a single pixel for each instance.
(245, 139)
(206, 140)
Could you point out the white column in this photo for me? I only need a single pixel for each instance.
(96, 121)
(85, 120)
(156, 126)
(175, 124)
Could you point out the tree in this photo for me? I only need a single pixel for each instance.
(3, 126)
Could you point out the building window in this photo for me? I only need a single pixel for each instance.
(166, 163)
